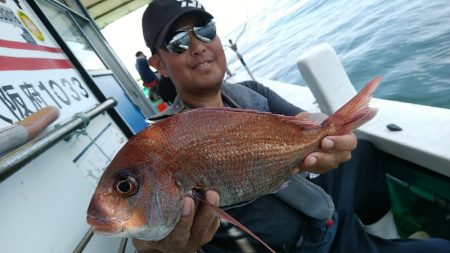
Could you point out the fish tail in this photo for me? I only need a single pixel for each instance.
(355, 112)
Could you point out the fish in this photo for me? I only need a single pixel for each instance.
(242, 154)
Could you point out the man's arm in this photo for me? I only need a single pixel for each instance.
(276, 103)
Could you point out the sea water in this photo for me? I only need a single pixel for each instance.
(405, 41)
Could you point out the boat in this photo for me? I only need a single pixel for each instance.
(417, 159)
(52, 53)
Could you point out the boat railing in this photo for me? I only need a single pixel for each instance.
(14, 160)
(84, 241)
(332, 88)
(87, 237)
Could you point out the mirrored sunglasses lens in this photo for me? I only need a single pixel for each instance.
(178, 43)
(205, 33)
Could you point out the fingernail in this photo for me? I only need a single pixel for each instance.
(187, 206)
(311, 161)
(217, 202)
(327, 143)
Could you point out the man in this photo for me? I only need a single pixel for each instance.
(299, 218)
(167, 90)
(149, 78)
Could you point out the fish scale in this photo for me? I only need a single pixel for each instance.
(261, 153)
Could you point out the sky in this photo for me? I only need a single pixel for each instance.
(125, 34)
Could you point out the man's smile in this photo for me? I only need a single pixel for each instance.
(205, 65)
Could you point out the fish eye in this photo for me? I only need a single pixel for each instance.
(126, 186)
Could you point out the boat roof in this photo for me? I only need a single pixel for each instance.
(105, 12)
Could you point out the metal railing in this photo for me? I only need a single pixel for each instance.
(14, 160)
(123, 245)
(88, 236)
(84, 241)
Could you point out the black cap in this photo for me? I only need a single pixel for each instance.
(161, 14)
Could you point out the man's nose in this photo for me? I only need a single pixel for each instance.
(196, 46)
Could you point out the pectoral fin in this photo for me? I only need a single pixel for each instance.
(223, 215)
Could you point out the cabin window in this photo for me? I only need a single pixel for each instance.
(69, 29)
(73, 5)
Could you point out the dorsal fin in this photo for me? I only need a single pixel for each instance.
(302, 123)
(228, 109)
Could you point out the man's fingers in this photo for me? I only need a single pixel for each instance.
(205, 223)
(181, 233)
(188, 206)
(320, 162)
(190, 233)
(310, 160)
(345, 142)
(141, 245)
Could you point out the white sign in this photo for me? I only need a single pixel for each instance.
(34, 71)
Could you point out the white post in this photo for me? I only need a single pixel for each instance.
(326, 77)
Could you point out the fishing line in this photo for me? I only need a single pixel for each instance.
(241, 33)
(233, 46)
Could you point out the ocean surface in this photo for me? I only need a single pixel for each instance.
(406, 41)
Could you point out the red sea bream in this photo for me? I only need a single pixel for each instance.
(242, 154)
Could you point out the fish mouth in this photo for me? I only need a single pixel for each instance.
(106, 233)
(104, 226)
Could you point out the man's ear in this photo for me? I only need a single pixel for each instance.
(156, 62)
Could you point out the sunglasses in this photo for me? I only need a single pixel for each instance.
(178, 41)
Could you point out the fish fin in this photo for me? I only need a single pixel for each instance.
(304, 124)
(290, 119)
(355, 112)
(222, 214)
(228, 109)
(240, 204)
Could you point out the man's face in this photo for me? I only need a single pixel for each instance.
(199, 69)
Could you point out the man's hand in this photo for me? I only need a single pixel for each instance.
(194, 229)
(334, 149)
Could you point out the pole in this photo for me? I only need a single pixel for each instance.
(235, 49)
